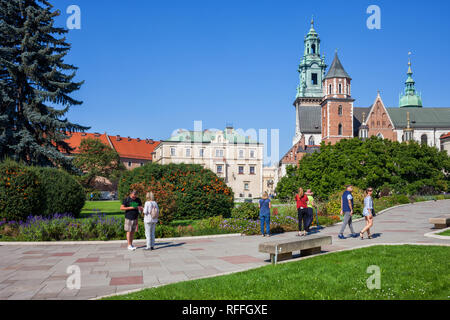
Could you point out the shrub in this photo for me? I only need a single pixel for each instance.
(199, 193)
(20, 191)
(333, 207)
(164, 196)
(61, 192)
(245, 211)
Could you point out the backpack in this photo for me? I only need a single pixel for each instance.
(154, 213)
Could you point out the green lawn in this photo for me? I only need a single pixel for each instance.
(445, 233)
(110, 208)
(407, 272)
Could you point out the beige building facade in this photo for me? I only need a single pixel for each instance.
(235, 158)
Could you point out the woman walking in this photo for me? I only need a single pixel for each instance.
(151, 213)
(264, 213)
(302, 209)
(311, 206)
(368, 213)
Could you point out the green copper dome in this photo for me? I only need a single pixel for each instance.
(410, 98)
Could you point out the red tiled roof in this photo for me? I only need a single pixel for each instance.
(126, 147)
(134, 148)
(445, 136)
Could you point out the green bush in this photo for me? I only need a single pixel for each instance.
(246, 211)
(61, 193)
(20, 191)
(199, 193)
(333, 206)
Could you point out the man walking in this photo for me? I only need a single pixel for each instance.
(347, 211)
(132, 205)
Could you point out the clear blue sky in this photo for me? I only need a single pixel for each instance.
(154, 66)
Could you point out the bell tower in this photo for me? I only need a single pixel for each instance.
(337, 104)
(311, 73)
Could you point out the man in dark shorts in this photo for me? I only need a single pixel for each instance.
(132, 205)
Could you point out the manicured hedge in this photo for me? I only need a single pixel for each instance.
(61, 192)
(198, 192)
(32, 191)
(20, 191)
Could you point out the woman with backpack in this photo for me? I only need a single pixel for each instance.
(302, 209)
(264, 213)
(151, 213)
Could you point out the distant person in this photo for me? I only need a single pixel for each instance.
(264, 213)
(92, 196)
(311, 206)
(368, 213)
(132, 206)
(302, 210)
(151, 214)
(347, 210)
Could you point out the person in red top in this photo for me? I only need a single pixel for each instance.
(302, 210)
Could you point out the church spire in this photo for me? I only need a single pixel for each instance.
(410, 98)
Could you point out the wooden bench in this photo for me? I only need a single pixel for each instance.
(441, 222)
(282, 249)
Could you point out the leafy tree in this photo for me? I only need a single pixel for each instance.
(96, 159)
(407, 168)
(34, 82)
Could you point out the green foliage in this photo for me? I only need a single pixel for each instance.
(95, 159)
(198, 192)
(35, 85)
(20, 191)
(333, 206)
(33, 191)
(61, 192)
(245, 211)
(387, 166)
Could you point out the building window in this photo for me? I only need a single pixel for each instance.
(142, 164)
(340, 110)
(241, 154)
(246, 186)
(329, 89)
(311, 141)
(173, 152)
(340, 129)
(314, 79)
(313, 47)
(340, 88)
(241, 169)
(379, 135)
(219, 152)
(188, 152)
(424, 139)
(201, 153)
(249, 195)
(219, 168)
(129, 164)
(252, 153)
(252, 170)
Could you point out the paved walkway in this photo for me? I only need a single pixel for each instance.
(39, 272)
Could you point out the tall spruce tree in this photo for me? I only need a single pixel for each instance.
(35, 84)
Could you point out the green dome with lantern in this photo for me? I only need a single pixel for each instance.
(410, 98)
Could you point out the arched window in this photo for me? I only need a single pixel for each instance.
(424, 139)
(311, 141)
(329, 89)
(380, 136)
(313, 47)
(340, 110)
(340, 88)
(340, 129)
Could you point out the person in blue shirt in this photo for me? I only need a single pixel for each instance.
(347, 210)
(264, 213)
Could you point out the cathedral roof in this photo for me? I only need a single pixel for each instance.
(336, 69)
(421, 117)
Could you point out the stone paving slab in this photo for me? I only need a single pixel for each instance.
(38, 272)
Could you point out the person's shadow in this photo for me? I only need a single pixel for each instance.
(162, 245)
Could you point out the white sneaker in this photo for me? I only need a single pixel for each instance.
(131, 248)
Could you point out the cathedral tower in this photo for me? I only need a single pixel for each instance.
(309, 92)
(337, 104)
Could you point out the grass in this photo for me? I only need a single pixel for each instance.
(407, 272)
(110, 208)
(445, 233)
